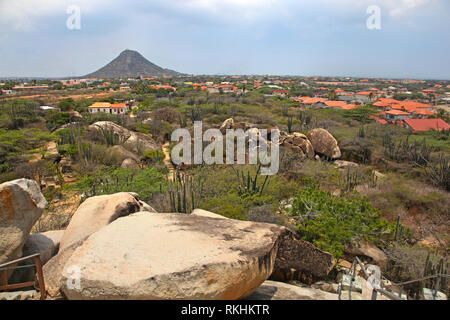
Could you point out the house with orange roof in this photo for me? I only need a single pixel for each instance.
(410, 106)
(426, 124)
(118, 108)
(106, 107)
(313, 101)
(100, 107)
(394, 115)
(422, 113)
(349, 106)
(166, 87)
(300, 99)
(331, 104)
(365, 96)
(224, 88)
(382, 121)
(385, 103)
(280, 92)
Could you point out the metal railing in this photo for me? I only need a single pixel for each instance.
(5, 267)
(389, 294)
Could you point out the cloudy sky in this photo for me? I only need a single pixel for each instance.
(285, 37)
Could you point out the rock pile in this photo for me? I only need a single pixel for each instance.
(135, 142)
(318, 143)
(118, 247)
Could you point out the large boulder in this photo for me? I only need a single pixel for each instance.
(174, 256)
(300, 260)
(129, 163)
(342, 164)
(45, 243)
(300, 143)
(53, 270)
(227, 124)
(97, 212)
(21, 205)
(272, 290)
(365, 249)
(324, 143)
(124, 153)
(135, 142)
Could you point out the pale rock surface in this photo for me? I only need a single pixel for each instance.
(324, 143)
(95, 213)
(21, 205)
(174, 256)
(273, 290)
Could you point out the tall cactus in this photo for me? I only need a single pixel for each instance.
(248, 185)
(184, 192)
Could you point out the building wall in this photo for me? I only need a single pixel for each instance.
(118, 110)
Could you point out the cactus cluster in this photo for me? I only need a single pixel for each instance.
(185, 192)
(195, 114)
(110, 138)
(247, 185)
(349, 180)
(432, 269)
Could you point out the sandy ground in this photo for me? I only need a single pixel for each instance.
(52, 97)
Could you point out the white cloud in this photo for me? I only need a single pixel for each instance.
(21, 15)
(400, 7)
(243, 9)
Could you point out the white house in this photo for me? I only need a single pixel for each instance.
(106, 107)
(100, 107)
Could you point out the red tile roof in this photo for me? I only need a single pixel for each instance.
(313, 100)
(427, 124)
(335, 103)
(349, 106)
(118, 105)
(397, 113)
(424, 112)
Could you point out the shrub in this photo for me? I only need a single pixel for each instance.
(360, 114)
(56, 119)
(330, 222)
(108, 180)
(167, 114)
(153, 156)
(407, 263)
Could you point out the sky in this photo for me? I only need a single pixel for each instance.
(277, 37)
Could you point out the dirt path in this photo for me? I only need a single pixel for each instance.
(167, 162)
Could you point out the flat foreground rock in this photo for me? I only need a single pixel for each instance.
(273, 290)
(173, 256)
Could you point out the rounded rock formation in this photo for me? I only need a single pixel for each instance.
(324, 143)
(21, 205)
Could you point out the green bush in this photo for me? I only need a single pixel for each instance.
(56, 119)
(330, 222)
(361, 114)
(108, 180)
(153, 156)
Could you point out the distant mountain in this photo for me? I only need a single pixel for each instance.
(130, 64)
